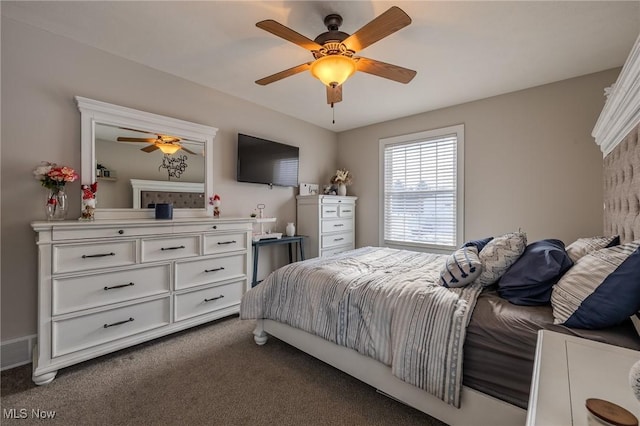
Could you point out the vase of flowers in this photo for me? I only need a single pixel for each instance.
(54, 178)
(342, 178)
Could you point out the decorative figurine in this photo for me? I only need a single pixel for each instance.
(215, 202)
(88, 201)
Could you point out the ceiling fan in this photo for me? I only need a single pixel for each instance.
(166, 144)
(334, 51)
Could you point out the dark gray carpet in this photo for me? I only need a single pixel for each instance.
(213, 374)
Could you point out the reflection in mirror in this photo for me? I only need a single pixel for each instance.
(123, 154)
(124, 148)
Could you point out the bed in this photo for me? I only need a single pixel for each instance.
(498, 337)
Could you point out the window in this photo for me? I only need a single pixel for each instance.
(422, 178)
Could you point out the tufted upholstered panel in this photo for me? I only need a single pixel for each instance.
(180, 200)
(622, 189)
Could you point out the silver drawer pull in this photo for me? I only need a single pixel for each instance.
(118, 323)
(331, 211)
(338, 239)
(87, 256)
(347, 211)
(119, 286)
(214, 270)
(172, 248)
(338, 225)
(226, 242)
(214, 298)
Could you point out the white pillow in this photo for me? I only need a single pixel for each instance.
(462, 268)
(583, 246)
(499, 254)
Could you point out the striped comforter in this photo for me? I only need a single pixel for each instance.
(384, 303)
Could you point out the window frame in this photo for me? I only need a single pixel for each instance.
(417, 137)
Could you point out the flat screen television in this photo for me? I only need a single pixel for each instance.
(268, 162)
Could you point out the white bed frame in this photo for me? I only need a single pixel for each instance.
(476, 408)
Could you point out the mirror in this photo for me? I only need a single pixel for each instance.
(137, 157)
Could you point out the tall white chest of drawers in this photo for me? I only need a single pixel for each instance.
(329, 223)
(110, 284)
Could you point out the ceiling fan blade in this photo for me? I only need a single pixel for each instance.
(282, 74)
(123, 139)
(150, 148)
(288, 34)
(334, 94)
(382, 69)
(388, 23)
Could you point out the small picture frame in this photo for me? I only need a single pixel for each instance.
(308, 189)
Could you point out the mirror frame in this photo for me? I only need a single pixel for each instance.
(93, 112)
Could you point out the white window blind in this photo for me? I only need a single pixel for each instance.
(420, 184)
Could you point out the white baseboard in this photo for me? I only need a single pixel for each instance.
(16, 352)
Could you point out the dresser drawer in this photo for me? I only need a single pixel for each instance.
(82, 332)
(337, 225)
(205, 271)
(215, 243)
(82, 257)
(208, 300)
(107, 232)
(330, 210)
(154, 249)
(334, 240)
(213, 227)
(337, 250)
(89, 291)
(346, 210)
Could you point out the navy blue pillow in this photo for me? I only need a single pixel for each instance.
(530, 280)
(479, 244)
(614, 242)
(614, 299)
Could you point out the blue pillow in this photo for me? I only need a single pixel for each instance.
(479, 244)
(530, 280)
(601, 290)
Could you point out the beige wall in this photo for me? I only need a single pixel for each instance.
(41, 74)
(530, 161)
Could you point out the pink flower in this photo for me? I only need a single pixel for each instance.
(52, 176)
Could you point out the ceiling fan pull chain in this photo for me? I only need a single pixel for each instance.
(333, 112)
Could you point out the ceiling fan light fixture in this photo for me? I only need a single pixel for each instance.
(168, 148)
(333, 70)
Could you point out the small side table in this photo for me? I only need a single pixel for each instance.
(299, 239)
(568, 370)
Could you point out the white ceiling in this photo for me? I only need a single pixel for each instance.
(462, 51)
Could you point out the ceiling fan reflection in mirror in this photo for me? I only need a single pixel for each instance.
(333, 51)
(167, 144)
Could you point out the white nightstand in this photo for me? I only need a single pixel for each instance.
(568, 370)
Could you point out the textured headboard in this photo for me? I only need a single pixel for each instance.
(180, 200)
(183, 195)
(622, 189)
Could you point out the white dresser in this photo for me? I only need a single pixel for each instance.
(568, 370)
(328, 221)
(110, 284)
